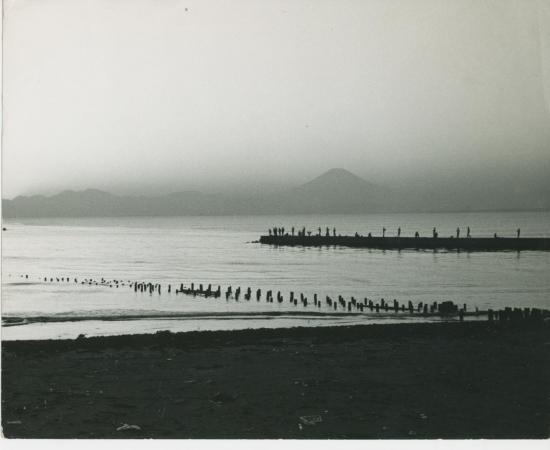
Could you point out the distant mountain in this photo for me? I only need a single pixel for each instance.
(337, 191)
(95, 203)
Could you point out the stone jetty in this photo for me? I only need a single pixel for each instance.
(411, 243)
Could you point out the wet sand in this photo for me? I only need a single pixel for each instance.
(445, 380)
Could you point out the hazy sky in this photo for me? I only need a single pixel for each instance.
(152, 95)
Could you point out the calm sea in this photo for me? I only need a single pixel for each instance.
(222, 251)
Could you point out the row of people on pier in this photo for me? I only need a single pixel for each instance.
(276, 231)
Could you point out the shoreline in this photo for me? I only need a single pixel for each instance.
(405, 381)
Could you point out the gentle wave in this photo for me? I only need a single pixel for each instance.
(24, 320)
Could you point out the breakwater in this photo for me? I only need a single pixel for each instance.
(413, 243)
(351, 306)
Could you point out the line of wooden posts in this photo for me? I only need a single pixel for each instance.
(445, 308)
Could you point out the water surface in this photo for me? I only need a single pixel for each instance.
(222, 251)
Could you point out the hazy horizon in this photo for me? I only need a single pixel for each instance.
(144, 97)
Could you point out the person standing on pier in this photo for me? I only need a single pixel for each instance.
(292, 231)
(328, 232)
(468, 232)
(518, 231)
(319, 231)
(334, 231)
(457, 232)
(399, 232)
(384, 232)
(434, 233)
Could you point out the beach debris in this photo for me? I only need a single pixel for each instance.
(126, 427)
(311, 420)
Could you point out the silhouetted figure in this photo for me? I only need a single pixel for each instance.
(283, 231)
(303, 231)
(399, 232)
(457, 232)
(518, 232)
(468, 232)
(384, 232)
(270, 231)
(369, 235)
(275, 231)
(495, 235)
(416, 234)
(328, 232)
(334, 232)
(292, 231)
(309, 233)
(319, 229)
(434, 232)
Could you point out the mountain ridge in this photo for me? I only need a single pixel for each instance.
(336, 191)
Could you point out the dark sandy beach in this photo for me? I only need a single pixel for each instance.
(454, 380)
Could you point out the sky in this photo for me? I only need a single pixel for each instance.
(148, 96)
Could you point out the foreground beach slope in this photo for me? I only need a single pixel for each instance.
(448, 380)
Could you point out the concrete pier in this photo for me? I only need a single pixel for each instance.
(414, 243)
